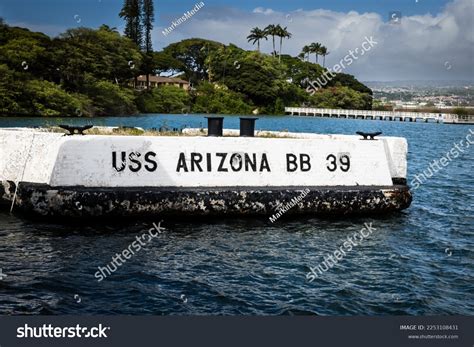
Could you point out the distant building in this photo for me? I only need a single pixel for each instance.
(441, 105)
(156, 81)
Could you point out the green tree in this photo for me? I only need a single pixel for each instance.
(279, 107)
(90, 72)
(300, 72)
(342, 79)
(132, 13)
(110, 99)
(165, 99)
(315, 48)
(84, 55)
(341, 98)
(306, 51)
(211, 98)
(255, 75)
(24, 51)
(148, 19)
(48, 99)
(283, 33)
(256, 35)
(324, 52)
(164, 62)
(10, 94)
(273, 31)
(193, 53)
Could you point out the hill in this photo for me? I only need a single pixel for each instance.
(90, 72)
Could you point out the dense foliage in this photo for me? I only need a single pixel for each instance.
(166, 99)
(90, 72)
(82, 72)
(215, 98)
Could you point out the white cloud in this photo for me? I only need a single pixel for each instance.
(417, 48)
(263, 10)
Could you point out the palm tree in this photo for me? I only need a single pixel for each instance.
(306, 50)
(257, 34)
(324, 52)
(102, 27)
(315, 48)
(272, 30)
(283, 34)
(302, 56)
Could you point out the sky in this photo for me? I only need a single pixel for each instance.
(415, 39)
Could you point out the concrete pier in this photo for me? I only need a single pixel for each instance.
(81, 202)
(446, 118)
(51, 175)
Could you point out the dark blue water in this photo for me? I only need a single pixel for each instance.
(418, 262)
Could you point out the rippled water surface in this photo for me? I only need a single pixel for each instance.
(417, 262)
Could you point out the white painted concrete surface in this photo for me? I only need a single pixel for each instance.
(28, 155)
(396, 148)
(33, 156)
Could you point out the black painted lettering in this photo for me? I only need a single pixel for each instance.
(209, 162)
(114, 161)
(133, 157)
(291, 164)
(345, 162)
(221, 167)
(236, 162)
(305, 162)
(250, 162)
(196, 159)
(182, 163)
(148, 158)
(264, 164)
(332, 165)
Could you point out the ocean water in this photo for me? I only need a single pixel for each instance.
(417, 262)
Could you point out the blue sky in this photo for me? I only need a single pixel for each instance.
(93, 13)
(434, 40)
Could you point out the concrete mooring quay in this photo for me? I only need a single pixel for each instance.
(180, 202)
(381, 115)
(216, 172)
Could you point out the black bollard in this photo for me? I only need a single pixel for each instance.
(247, 126)
(368, 136)
(215, 126)
(75, 130)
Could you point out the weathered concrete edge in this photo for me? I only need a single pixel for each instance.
(81, 202)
